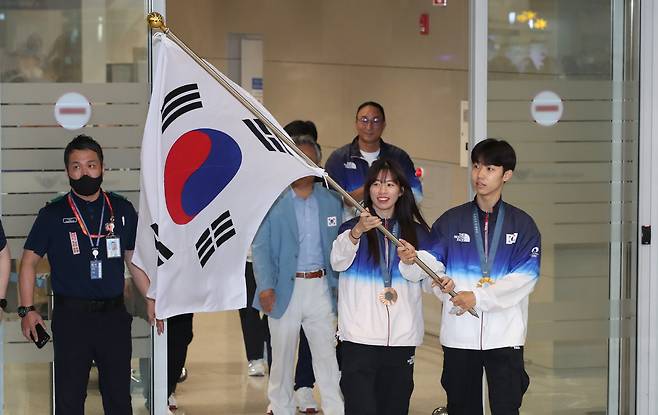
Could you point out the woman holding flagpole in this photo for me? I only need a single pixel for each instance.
(380, 318)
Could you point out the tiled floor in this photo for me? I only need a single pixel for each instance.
(217, 382)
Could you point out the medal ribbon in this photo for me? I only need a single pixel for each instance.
(386, 252)
(83, 225)
(487, 258)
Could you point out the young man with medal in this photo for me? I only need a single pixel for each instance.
(380, 314)
(88, 235)
(491, 251)
(296, 287)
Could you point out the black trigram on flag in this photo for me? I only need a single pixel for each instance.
(265, 136)
(164, 253)
(220, 231)
(179, 101)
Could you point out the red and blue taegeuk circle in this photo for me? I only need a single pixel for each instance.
(200, 164)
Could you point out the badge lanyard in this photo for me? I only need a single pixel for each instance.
(487, 258)
(83, 225)
(386, 252)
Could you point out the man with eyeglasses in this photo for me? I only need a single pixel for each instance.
(348, 164)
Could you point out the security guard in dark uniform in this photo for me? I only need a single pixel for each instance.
(87, 234)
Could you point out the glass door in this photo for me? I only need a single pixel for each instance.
(66, 68)
(562, 87)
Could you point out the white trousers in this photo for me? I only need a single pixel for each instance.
(310, 308)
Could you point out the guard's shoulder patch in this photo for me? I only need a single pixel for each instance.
(56, 199)
(117, 195)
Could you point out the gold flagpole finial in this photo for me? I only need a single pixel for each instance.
(156, 21)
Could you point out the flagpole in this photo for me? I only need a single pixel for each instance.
(156, 21)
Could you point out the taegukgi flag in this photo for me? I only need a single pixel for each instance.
(209, 173)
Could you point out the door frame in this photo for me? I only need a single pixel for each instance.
(647, 267)
(647, 290)
(158, 342)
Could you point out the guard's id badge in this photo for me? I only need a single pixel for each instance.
(113, 245)
(96, 269)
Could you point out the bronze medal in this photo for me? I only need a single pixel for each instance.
(388, 296)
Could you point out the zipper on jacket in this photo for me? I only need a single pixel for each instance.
(388, 334)
(486, 235)
(481, 328)
(486, 255)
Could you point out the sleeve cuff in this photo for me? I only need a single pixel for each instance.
(411, 272)
(414, 273)
(343, 252)
(480, 298)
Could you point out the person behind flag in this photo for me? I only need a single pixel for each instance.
(304, 377)
(300, 127)
(491, 250)
(254, 328)
(380, 315)
(88, 235)
(348, 165)
(296, 287)
(179, 336)
(5, 269)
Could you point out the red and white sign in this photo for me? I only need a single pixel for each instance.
(546, 108)
(441, 3)
(424, 23)
(72, 111)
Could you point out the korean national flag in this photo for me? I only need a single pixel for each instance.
(210, 170)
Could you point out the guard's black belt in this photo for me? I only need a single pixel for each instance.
(93, 306)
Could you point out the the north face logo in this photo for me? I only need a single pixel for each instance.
(462, 237)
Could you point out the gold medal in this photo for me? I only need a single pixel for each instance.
(388, 296)
(485, 281)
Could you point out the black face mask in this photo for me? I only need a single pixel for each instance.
(85, 185)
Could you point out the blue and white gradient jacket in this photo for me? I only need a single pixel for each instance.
(501, 304)
(362, 318)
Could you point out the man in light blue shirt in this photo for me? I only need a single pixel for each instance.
(310, 246)
(296, 287)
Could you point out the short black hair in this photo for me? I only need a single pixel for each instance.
(372, 104)
(308, 139)
(299, 127)
(493, 152)
(82, 142)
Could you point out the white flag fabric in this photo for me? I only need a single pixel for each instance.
(209, 173)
